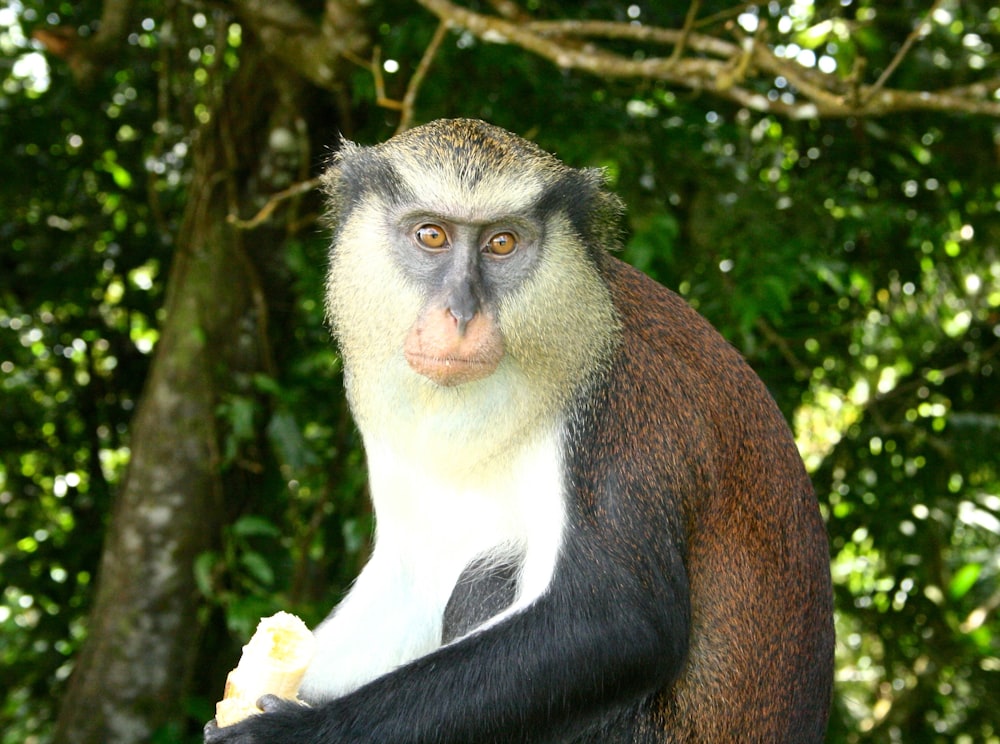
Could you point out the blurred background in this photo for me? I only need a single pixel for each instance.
(819, 178)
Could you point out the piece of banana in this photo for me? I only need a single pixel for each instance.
(273, 663)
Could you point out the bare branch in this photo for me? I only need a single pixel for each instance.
(410, 98)
(722, 67)
(689, 20)
(919, 31)
(509, 10)
(405, 106)
(701, 43)
(381, 98)
(296, 189)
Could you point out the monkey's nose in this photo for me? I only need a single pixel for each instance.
(461, 319)
(463, 306)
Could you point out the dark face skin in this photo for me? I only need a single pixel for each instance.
(465, 268)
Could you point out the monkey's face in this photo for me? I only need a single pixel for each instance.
(460, 262)
(466, 268)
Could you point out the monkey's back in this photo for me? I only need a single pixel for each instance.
(752, 541)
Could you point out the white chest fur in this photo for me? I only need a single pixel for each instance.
(437, 509)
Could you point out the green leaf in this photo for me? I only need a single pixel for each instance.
(204, 568)
(964, 579)
(250, 526)
(258, 567)
(240, 414)
(122, 178)
(817, 34)
(289, 444)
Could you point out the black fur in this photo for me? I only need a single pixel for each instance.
(487, 587)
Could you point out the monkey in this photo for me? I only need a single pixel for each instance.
(592, 523)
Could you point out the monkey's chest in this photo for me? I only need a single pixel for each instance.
(477, 544)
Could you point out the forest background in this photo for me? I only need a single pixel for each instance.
(819, 178)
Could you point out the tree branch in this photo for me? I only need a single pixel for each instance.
(918, 32)
(702, 43)
(410, 97)
(296, 189)
(734, 71)
(692, 16)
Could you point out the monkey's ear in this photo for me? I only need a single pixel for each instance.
(605, 213)
(331, 186)
(355, 172)
(333, 183)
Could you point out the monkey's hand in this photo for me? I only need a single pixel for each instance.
(282, 720)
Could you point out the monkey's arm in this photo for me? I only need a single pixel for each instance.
(600, 639)
(383, 622)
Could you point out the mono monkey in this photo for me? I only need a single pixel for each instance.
(592, 522)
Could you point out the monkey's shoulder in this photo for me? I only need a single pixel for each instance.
(671, 340)
(676, 378)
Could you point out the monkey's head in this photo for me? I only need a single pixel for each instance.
(466, 260)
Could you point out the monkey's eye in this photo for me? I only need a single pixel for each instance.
(432, 237)
(501, 244)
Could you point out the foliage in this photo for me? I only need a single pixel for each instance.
(856, 262)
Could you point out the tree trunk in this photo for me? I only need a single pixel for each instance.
(135, 666)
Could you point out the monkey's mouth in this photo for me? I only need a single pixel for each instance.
(452, 370)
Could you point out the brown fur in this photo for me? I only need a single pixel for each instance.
(759, 667)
